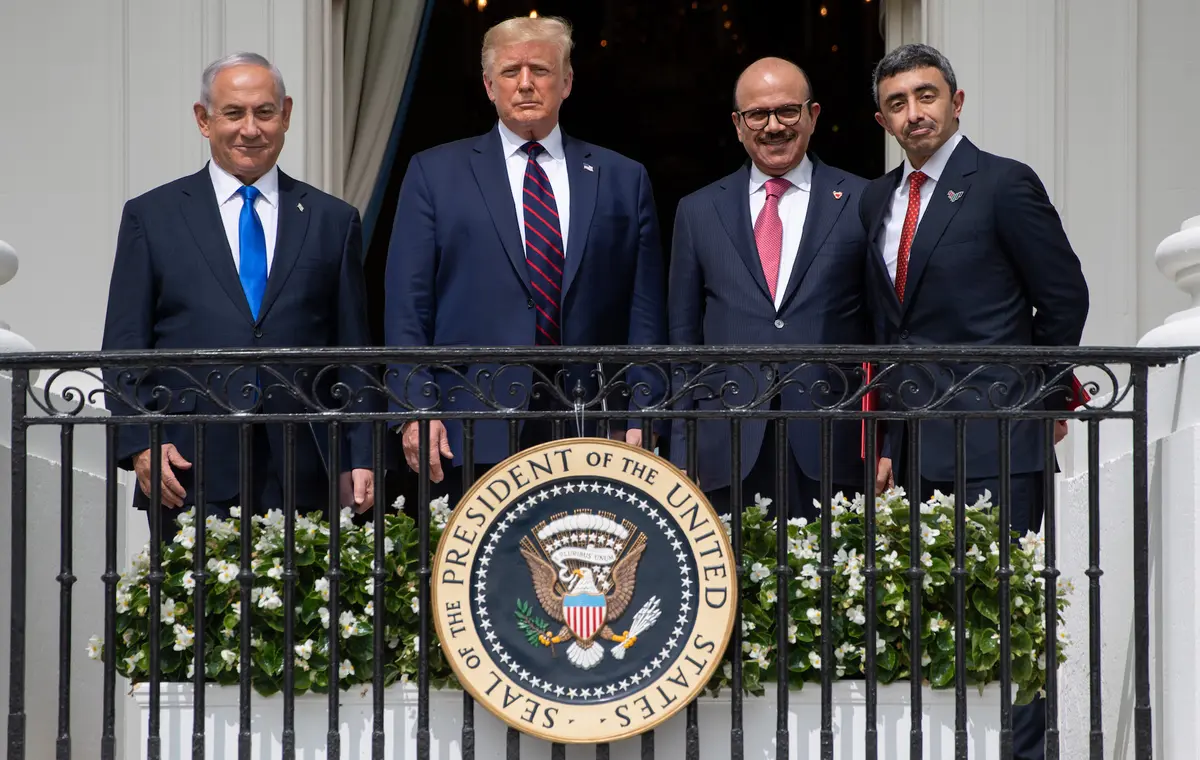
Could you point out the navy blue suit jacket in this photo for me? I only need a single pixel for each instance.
(719, 296)
(175, 286)
(993, 268)
(457, 276)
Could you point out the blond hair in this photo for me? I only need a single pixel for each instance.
(552, 29)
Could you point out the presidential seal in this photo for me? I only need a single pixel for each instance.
(584, 591)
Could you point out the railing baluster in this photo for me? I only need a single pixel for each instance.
(66, 579)
(1050, 573)
(916, 577)
(1004, 572)
(692, 717)
(108, 735)
(333, 737)
(736, 504)
(468, 476)
(513, 737)
(783, 455)
(246, 581)
(380, 576)
(1095, 655)
(17, 569)
(870, 464)
(826, 573)
(1143, 747)
(289, 591)
(200, 595)
(959, 573)
(155, 578)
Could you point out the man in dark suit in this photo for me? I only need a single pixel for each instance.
(522, 236)
(967, 250)
(238, 255)
(773, 254)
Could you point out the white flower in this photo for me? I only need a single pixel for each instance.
(791, 632)
(322, 587)
(227, 572)
(191, 671)
(95, 648)
(762, 502)
(237, 609)
(858, 616)
(276, 571)
(758, 572)
(188, 582)
(927, 559)
(269, 599)
(814, 616)
(346, 669)
(305, 650)
(168, 611)
(183, 637)
(186, 537)
(369, 587)
(416, 605)
(323, 613)
(1063, 638)
(123, 599)
(229, 656)
(815, 659)
(769, 597)
(929, 535)
(235, 512)
(349, 624)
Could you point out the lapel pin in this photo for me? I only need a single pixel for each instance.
(300, 207)
(953, 196)
(588, 168)
(837, 194)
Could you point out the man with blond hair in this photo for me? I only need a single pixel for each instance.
(523, 236)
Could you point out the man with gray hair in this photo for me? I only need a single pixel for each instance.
(237, 255)
(523, 236)
(967, 250)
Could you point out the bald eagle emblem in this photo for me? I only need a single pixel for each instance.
(584, 568)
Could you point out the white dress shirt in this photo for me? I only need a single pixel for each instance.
(230, 201)
(894, 222)
(793, 210)
(553, 161)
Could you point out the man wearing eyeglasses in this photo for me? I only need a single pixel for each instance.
(773, 254)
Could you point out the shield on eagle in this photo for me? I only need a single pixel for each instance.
(584, 614)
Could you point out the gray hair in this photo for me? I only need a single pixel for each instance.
(238, 59)
(553, 29)
(910, 57)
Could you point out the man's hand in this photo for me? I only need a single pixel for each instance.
(633, 436)
(172, 492)
(439, 446)
(357, 488)
(884, 477)
(1060, 431)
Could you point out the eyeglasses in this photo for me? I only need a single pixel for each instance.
(758, 118)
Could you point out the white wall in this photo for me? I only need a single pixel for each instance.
(97, 109)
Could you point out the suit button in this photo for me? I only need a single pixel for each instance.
(904, 335)
(529, 303)
(779, 324)
(258, 332)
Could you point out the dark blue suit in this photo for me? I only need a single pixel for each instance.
(993, 268)
(719, 296)
(175, 286)
(457, 276)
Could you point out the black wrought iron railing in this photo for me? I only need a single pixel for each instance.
(974, 393)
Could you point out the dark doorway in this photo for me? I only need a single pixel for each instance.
(654, 81)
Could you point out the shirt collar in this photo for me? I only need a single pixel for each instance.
(936, 164)
(226, 185)
(512, 142)
(800, 176)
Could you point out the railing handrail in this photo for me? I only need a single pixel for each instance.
(1080, 355)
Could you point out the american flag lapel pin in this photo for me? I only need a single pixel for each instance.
(588, 168)
(300, 207)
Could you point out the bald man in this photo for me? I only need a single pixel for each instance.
(773, 254)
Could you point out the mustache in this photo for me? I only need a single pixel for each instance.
(776, 138)
(919, 125)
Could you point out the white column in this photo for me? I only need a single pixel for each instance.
(1178, 257)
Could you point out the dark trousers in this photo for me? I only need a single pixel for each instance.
(1026, 509)
(801, 489)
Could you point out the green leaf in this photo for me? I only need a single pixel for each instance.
(942, 672)
(987, 605)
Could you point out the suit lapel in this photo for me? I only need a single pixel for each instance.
(875, 242)
(939, 212)
(733, 208)
(584, 185)
(289, 239)
(203, 220)
(825, 204)
(487, 163)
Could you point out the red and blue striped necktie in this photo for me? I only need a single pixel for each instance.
(543, 248)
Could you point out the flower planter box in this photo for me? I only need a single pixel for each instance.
(445, 723)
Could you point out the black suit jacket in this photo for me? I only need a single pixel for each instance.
(718, 296)
(992, 267)
(175, 286)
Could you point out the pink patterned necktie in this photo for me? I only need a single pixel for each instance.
(768, 232)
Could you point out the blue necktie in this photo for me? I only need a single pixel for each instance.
(252, 242)
(543, 248)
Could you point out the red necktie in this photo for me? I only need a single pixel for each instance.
(768, 232)
(915, 180)
(543, 248)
